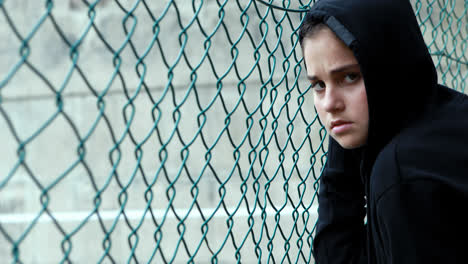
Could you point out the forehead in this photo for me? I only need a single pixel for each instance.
(324, 51)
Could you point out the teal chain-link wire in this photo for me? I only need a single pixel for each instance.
(224, 167)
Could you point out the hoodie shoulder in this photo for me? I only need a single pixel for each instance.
(429, 149)
(433, 147)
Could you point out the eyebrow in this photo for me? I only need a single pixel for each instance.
(337, 70)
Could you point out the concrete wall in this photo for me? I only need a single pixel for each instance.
(143, 128)
(140, 124)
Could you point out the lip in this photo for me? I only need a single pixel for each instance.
(340, 126)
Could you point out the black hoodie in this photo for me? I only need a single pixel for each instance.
(411, 178)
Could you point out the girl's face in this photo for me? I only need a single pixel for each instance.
(339, 92)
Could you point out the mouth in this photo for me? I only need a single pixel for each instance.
(340, 126)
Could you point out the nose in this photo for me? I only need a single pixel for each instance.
(333, 101)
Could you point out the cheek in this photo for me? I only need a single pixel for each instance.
(362, 102)
(319, 108)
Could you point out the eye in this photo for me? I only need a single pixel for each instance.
(318, 86)
(351, 77)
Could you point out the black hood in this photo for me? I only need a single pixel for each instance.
(398, 72)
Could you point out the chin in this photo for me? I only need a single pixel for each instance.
(350, 143)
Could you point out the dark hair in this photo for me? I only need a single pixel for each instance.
(309, 28)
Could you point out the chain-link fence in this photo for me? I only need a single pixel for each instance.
(167, 131)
